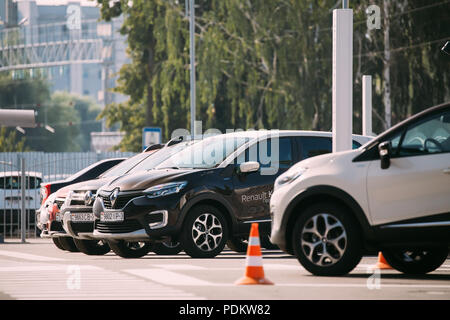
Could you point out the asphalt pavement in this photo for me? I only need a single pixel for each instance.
(38, 270)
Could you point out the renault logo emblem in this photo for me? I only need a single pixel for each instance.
(89, 198)
(113, 197)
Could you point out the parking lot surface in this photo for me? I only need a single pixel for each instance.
(38, 270)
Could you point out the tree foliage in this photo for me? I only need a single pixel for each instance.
(10, 142)
(73, 119)
(267, 64)
(71, 116)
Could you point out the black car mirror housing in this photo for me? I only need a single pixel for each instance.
(384, 150)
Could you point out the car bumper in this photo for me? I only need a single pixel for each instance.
(278, 207)
(81, 229)
(144, 219)
(55, 229)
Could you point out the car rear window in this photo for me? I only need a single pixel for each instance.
(314, 146)
(14, 182)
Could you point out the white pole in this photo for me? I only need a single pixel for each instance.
(342, 79)
(367, 105)
(22, 198)
(192, 56)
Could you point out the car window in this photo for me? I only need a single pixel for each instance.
(262, 153)
(355, 144)
(14, 182)
(432, 135)
(94, 170)
(314, 146)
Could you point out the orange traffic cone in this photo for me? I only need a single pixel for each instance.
(382, 263)
(254, 272)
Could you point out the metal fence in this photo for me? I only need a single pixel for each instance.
(21, 197)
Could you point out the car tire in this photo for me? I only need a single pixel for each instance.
(237, 244)
(68, 244)
(167, 248)
(327, 228)
(130, 250)
(205, 232)
(58, 243)
(92, 247)
(416, 261)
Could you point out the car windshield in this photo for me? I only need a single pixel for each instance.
(159, 157)
(208, 153)
(126, 165)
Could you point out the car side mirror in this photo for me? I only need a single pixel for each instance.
(249, 166)
(384, 149)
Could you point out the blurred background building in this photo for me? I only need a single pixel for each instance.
(64, 42)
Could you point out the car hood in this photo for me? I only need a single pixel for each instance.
(146, 179)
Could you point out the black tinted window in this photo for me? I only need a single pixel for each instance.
(14, 182)
(94, 170)
(314, 146)
(263, 153)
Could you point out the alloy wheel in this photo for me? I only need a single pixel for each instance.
(207, 232)
(323, 239)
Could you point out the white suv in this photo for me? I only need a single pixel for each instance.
(392, 194)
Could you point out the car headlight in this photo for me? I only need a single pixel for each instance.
(164, 189)
(288, 177)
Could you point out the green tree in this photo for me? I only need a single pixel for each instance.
(267, 64)
(24, 93)
(73, 119)
(10, 142)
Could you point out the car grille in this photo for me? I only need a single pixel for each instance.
(56, 226)
(118, 227)
(77, 202)
(121, 201)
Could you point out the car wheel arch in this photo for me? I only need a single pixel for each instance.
(324, 194)
(213, 200)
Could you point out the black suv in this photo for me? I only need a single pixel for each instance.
(206, 194)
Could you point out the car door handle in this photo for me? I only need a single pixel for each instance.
(446, 171)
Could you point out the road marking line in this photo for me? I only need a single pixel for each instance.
(27, 256)
(168, 278)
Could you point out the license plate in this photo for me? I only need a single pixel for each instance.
(111, 216)
(58, 217)
(82, 217)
